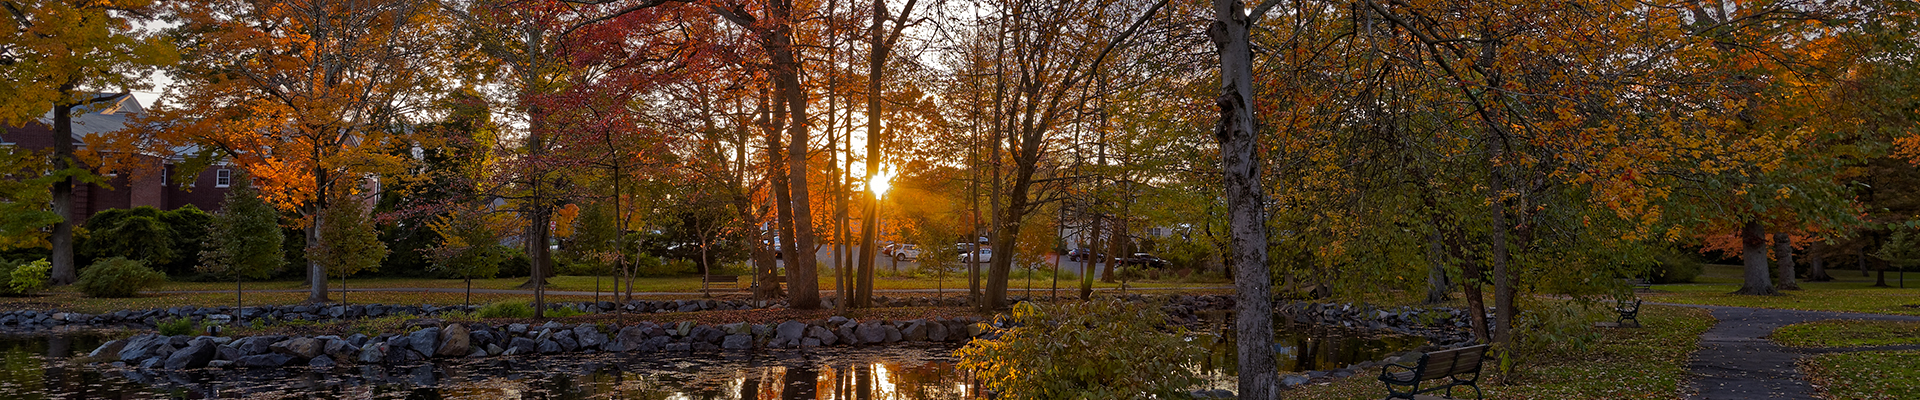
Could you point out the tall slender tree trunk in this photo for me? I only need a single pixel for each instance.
(802, 273)
(1783, 255)
(1088, 264)
(1437, 285)
(1240, 166)
(1753, 251)
(1860, 260)
(1470, 284)
(316, 273)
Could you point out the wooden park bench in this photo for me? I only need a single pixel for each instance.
(1639, 285)
(1629, 311)
(1458, 367)
(732, 282)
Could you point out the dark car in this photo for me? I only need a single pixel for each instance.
(1081, 254)
(1144, 259)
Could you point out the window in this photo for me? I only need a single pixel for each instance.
(223, 178)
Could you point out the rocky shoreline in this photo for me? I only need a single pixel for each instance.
(431, 338)
(427, 338)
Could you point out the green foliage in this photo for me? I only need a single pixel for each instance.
(1902, 250)
(117, 277)
(563, 312)
(138, 233)
(470, 244)
(1100, 349)
(25, 204)
(348, 242)
(177, 326)
(24, 278)
(507, 309)
(595, 246)
(245, 240)
(648, 265)
(1674, 266)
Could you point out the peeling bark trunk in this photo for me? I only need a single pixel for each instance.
(1783, 254)
(1753, 251)
(1240, 167)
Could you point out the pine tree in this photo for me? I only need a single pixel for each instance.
(245, 240)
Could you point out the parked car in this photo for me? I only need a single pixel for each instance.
(905, 252)
(986, 255)
(1081, 254)
(1144, 259)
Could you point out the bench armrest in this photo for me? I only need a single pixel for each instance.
(1387, 372)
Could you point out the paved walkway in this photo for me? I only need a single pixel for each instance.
(1736, 362)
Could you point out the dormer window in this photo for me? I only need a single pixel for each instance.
(223, 178)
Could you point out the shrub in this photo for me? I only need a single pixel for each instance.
(1674, 266)
(23, 278)
(117, 277)
(507, 309)
(1101, 349)
(176, 327)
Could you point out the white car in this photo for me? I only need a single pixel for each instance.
(905, 252)
(986, 255)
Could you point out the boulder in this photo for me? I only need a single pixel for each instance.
(373, 353)
(109, 351)
(323, 361)
(454, 341)
(424, 341)
(270, 360)
(589, 337)
(139, 348)
(789, 333)
(494, 349)
(737, 342)
(914, 331)
(567, 342)
(521, 345)
(226, 353)
(302, 348)
(339, 350)
(936, 331)
(196, 355)
(893, 333)
(870, 332)
(549, 347)
(822, 335)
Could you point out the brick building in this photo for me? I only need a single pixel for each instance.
(123, 189)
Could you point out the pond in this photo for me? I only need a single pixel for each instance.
(36, 368)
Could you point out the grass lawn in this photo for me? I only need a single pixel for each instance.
(1849, 292)
(75, 302)
(1871, 375)
(1637, 363)
(67, 299)
(1848, 333)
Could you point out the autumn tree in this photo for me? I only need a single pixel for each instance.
(60, 55)
(304, 96)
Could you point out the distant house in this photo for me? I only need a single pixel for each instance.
(123, 190)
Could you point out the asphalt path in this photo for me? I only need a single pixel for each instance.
(1737, 361)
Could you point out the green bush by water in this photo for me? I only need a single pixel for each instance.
(1101, 349)
(23, 278)
(507, 309)
(117, 277)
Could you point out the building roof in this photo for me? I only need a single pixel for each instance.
(102, 117)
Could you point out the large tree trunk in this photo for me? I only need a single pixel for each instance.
(1240, 167)
(1817, 263)
(317, 274)
(801, 268)
(1470, 281)
(63, 271)
(1093, 256)
(1753, 251)
(1783, 254)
